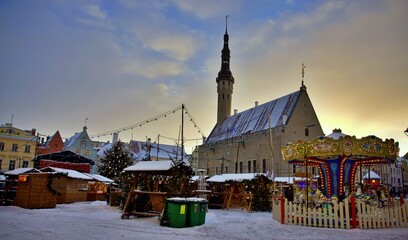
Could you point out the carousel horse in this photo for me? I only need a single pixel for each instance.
(298, 195)
(383, 197)
(359, 190)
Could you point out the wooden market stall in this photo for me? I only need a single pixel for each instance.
(150, 174)
(229, 191)
(72, 186)
(34, 191)
(10, 184)
(98, 187)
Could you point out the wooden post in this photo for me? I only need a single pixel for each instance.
(353, 212)
(282, 203)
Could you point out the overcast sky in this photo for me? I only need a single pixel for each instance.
(118, 63)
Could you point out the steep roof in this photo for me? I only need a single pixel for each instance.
(72, 140)
(262, 117)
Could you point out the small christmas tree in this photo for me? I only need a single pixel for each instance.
(115, 160)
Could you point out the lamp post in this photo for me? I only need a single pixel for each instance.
(148, 147)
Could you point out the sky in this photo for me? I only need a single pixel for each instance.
(96, 220)
(114, 64)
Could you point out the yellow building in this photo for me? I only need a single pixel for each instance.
(17, 147)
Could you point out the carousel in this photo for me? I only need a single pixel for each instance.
(339, 158)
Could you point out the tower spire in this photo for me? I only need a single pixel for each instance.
(225, 80)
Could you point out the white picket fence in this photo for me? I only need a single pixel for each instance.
(341, 215)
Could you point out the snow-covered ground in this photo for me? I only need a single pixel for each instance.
(97, 221)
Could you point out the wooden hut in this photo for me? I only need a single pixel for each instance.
(10, 183)
(228, 191)
(72, 186)
(97, 188)
(151, 174)
(34, 191)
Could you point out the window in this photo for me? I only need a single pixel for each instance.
(240, 167)
(216, 170)
(254, 166)
(226, 169)
(12, 165)
(27, 148)
(25, 164)
(1, 146)
(78, 151)
(14, 148)
(264, 165)
(1, 163)
(236, 167)
(306, 132)
(249, 166)
(87, 154)
(83, 144)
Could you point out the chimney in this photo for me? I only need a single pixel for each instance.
(115, 138)
(256, 103)
(235, 111)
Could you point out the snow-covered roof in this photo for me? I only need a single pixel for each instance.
(99, 177)
(233, 177)
(101, 152)
(72, 139)
(70, 173)
(19, 171)
(373, 175)
(161, 151)
(268, 115)
(164, 165)
(288, 179)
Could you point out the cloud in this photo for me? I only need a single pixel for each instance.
(95, 11)
(151, 68)
(207, 9)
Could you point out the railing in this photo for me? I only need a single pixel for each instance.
(352, 213)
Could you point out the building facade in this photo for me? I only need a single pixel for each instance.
(17, 147)
(81, 144)
(251, 141)
(53, 143)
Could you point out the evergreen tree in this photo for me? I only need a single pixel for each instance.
(115, 160)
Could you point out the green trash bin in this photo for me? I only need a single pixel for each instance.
(193, 212)
(176, 212)
(203, 210)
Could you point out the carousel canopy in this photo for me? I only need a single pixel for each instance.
(329, 147)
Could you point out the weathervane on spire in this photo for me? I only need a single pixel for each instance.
(226, 22)
(303, 73)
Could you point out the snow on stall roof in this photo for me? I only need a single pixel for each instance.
(373, 175)
(288, 179)
(70, 173)
(233, 177)
(99, 177)
(19, 171)
(164, 165)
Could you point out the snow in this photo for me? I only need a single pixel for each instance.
(99, 177)
(164, 165)
(96, 220)
(71, 173)
(233, 177)
(372, 175)
(19, 171)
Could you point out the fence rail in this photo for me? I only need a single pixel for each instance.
(352, 213)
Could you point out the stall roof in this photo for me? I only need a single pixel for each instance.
(373, 175)
(233, 177)
(99, 178)
(70, 173)
(65, 156)
(141, 166)
(289, 179)
(19, 171)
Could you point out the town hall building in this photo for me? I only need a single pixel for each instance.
(251, 141)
